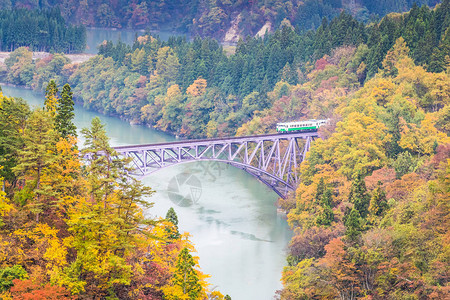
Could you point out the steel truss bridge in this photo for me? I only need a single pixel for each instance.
(273, 158)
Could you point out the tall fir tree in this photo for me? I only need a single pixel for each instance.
(13, 115)
(103, 169)
(37, 155)
(378, 202)
(116, 221)
(320, 189)
(172, 217)
(51, 98)
(64, 118)
(326, 217)
(186, 277)
(352, 225)
(358, 195)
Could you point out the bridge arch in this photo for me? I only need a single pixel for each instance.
(273, 159)
(279, 186)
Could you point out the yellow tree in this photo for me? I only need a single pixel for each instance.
(5, 206)
(43, 251)
(167, 64)
(187, 282)
(172, 109)
(197, 88)
(62, 179)
(107, 224)
(439, 89)
(139, 61)
(357, 146)
(398, 52)
(51, 98)
(424, 139)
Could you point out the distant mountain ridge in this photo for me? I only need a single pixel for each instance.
(215, 18)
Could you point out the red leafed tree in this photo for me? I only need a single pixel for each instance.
(311, 243)
(339, 271)
(383, 175)
(321, 63)
(29, 290)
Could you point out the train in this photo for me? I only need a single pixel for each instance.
(309, 125)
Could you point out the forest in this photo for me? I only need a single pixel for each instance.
(214, 18)
(156, 83)
(44, 30)
(370, 217)
(70, 230)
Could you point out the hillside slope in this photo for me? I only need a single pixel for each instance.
(209, 18)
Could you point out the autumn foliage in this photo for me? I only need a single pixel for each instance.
(387, 166)
(72, 230)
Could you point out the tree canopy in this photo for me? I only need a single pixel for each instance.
(72, 230)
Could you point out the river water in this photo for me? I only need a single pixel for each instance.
(239, 236)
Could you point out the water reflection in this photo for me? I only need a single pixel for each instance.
(239, 236)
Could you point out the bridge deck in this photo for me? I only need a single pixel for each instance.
(272, 158)
(238, 139)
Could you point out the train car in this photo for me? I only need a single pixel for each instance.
(310, 125)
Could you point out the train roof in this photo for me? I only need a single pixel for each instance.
(304, 121)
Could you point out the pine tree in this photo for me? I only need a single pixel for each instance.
(172, 217)
(64, 118)
(320, 189)
(378, 203)
(353, 224)
(37, 154)
(358, 195)
(327, 197)
(186, 277)
(326, 217)
(13, 115)
(438, 57)
(109, 224)
(51, 98)
(104, 166)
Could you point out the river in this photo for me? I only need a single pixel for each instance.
(239, 236)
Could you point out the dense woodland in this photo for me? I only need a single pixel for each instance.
(213, 18)
(44, 30)
(371, 216)
(194, 89)
(71, 230)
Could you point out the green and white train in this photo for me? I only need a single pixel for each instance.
(310, 125)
